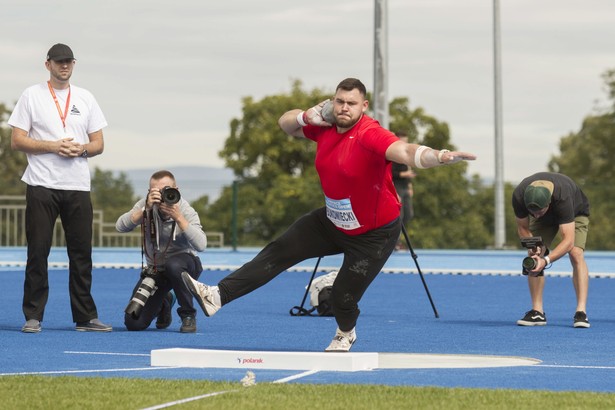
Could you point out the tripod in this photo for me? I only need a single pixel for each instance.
(301, 311)
(418, 268)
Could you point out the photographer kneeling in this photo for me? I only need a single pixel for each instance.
(172, 237)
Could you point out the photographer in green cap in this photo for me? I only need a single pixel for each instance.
(544, 204)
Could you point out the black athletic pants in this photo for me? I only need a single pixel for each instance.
(173, 268)
(43, 205)
(313, 235)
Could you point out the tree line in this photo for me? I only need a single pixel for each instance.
(277, 182)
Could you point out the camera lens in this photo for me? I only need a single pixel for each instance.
(529, 263)
(170, 195)
(146, 289)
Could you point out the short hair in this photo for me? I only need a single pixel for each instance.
(158, 175)
(350, 84)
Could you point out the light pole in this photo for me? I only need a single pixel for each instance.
(500, 229)
(381, 57)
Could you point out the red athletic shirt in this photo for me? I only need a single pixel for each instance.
(355, 176)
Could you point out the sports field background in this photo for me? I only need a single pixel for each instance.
(479, 296)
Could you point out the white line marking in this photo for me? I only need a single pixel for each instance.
(295, 377)
(108, 353)
(189, 399)
(326, 269)
(204, 396)
(135, 369)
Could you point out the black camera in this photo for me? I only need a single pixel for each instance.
(140, 296)
(532, 242)
(170, 195)
(529, 263)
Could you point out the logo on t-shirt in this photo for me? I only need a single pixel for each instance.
(75, 111)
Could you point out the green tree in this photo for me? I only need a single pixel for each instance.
(448, 213)
(12, 163)
(113, 195)
(276, 178)
(587, 157)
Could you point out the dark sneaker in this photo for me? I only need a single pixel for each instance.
(580, 319)
(93, 325)
(165, 317)
(533, 318)
(31, 326)
(188, 325)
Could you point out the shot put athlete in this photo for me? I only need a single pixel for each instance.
(360, 217)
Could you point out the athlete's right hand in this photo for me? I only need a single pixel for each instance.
(314, 115)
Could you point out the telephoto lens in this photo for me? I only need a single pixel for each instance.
(528, 264)
(170, 195)
(146, 289)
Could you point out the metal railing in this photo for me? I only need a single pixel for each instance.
(13, 233)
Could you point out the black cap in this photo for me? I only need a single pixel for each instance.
(60, 52)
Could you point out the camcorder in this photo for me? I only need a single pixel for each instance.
(170, 195)
(529, 263)
(147, 288)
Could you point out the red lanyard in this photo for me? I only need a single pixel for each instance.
(53, 94)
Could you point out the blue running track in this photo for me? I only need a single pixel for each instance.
(479, 296)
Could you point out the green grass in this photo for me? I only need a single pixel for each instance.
(40, 392)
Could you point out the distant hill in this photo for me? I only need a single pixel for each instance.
(193, 182)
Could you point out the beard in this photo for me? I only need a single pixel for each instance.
(346, 122)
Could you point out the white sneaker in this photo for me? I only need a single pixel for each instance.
(31, 326)
(207, 296)
(342, 342)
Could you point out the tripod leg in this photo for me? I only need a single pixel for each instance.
(300, 310)
(403, 229)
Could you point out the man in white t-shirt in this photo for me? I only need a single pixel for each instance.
(58, 126)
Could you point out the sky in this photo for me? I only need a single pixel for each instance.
(170, 76)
